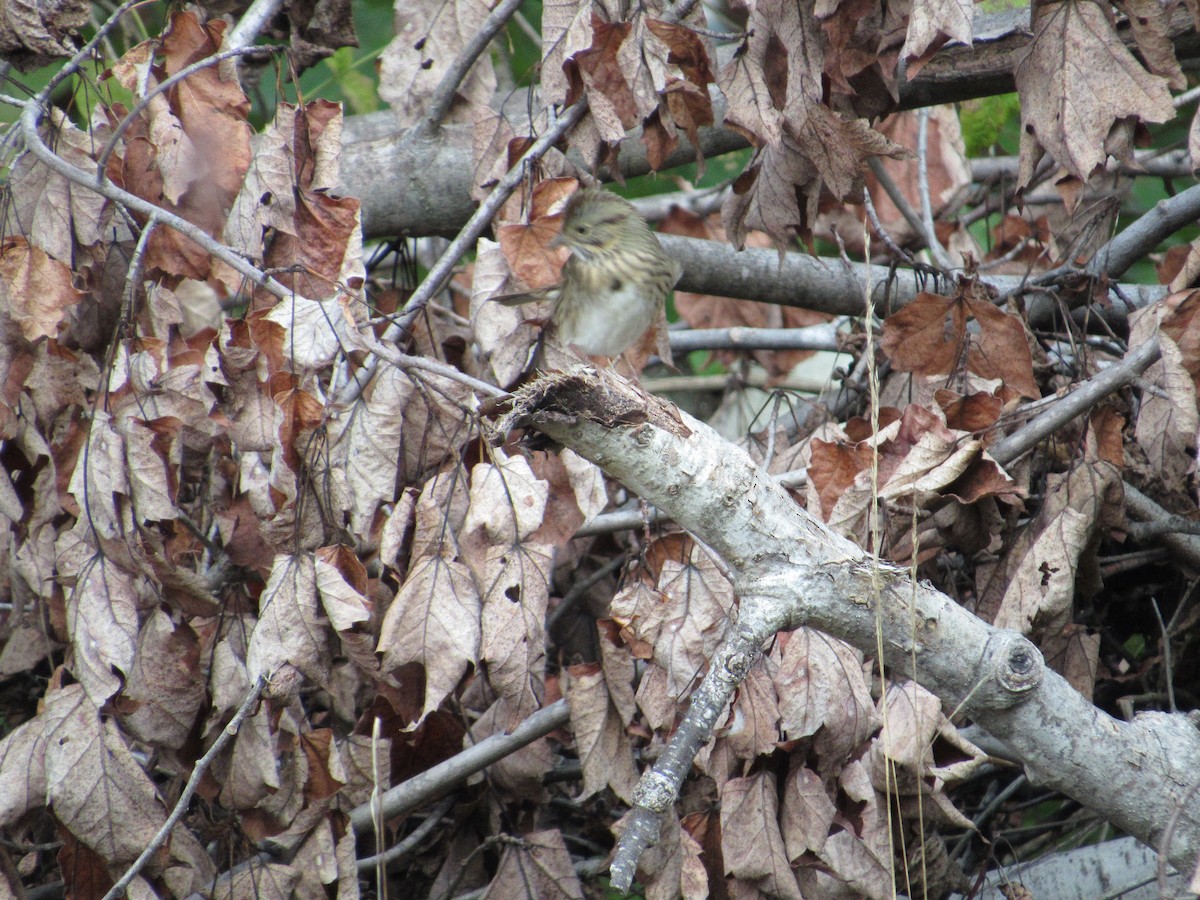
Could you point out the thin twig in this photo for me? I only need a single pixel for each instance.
(443, 94)
(408, 846)
(935, 246)
(410, 794)
(1134, 242)
(1074, 404)
(1168, 665)
(189, 789)
(84, 52)
(405, 361)
(899, 200)
(873, 217)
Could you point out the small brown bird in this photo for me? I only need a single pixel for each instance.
(614, 282)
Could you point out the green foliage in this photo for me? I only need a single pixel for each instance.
(986, 121)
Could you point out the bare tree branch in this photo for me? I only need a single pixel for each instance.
(790, 570)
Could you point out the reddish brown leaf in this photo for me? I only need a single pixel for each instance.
(36, 289)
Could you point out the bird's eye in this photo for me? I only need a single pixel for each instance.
(581, 228)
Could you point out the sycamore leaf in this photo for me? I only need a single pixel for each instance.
(97, 789)
(751, 841)
(603, 746)
(289, 630)
(1077, 82)
(428, 39)
(434, 621)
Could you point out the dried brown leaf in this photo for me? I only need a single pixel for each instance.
(751, 842)
(807, 813)
(507, 501)
(103, 623)
(22, 770)
(36, 290)
(290, 630)
(603, 746)
(428, 40)
(823, 696)
(434, 621)
(538, 866)
(931, 25)
(1077, 82)
(515, 583)
(165, 689)
(97, 789)
(1169, 418)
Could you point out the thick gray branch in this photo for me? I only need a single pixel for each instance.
(790, 570)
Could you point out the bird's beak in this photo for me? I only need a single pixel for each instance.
(557, 240)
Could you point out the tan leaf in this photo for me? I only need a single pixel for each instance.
(753, 729)
(620, 670)
(441, 508)
(268, 881)
(325, 251)
(405, 428)
(503, 334)
(1075, 654)
(428, 41)
(22, 770)
(1150, 23)
(506, 500)
(97, 789)
(266, 199)
(1169, 419)
(684, 622)
(520, 774)
(604, 747)
(807, 814)
(253, 767)
(947, 168)
(566, 30)
(751, 110)
(515, 582)
(1078, 81)
(434, 621)
(823, 695)
(537, 866)
(165, 688)
(150, 485)
(36, 289)
(316, 333)
(931, 25)
(672, 866)
(1039, 576)
(342, 587)
(102, 619)
(56, 214)
(289, 629)
(751, 842)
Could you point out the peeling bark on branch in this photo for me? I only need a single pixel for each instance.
(790, 570)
